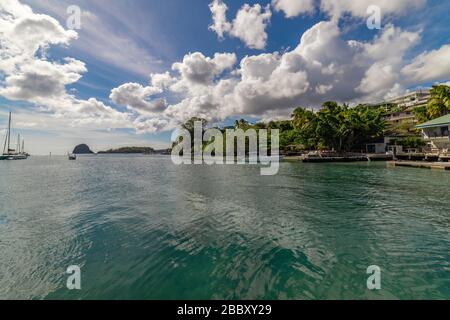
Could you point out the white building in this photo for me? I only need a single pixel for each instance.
(406, 105)
(437, 132)
(404, 113)
(412, 100)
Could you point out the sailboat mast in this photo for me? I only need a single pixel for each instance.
(9, 132)
(18, 144)
(6, 141)
(4, 145)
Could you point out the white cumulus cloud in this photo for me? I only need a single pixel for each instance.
(322, 67)
(196, 69)
(249, 25)
(430, 66)
(220, 25)
(137, 97)
(30, 76)
(358, 8)
(293, 8)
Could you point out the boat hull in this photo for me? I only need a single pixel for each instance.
(14, 157)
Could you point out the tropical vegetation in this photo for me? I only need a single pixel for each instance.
(410, 142)
(342, 128)
(335, 127)
(438, 105)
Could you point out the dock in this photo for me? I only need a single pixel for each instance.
(328, 159)
(423, 165)
(334, 159)
(360, 158)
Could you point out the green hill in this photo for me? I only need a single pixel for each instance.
(128, 150)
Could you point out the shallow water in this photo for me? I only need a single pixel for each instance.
(141, 228)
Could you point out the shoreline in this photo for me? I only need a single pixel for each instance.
(443, 166)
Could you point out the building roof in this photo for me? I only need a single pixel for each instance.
(439, 122)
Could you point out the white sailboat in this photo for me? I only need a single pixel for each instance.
(72, 156)
(13, 154)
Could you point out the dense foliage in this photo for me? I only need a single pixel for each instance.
(411, 142)
(438, 105)
(343, 129)
(335, 127)
(338, 128)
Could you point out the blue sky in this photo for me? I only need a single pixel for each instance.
(124, 42)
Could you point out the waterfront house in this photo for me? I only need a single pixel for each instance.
(385, 145)
(437, 132)
(377, 147)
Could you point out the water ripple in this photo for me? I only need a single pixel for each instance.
(141, 228)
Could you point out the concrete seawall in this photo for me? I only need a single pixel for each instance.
(423, 165)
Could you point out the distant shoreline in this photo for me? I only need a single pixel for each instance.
(84, 149)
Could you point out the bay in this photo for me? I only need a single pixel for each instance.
(142, 228)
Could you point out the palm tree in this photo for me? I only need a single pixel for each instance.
(343, 128)
(421, 114)
(439, 103)
(302, 118)
(241, 124)
(189, 125)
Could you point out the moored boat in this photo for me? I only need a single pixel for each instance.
(13, 154)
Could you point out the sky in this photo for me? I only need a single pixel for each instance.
(136, 69)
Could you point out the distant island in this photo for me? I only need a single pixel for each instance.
(82, 149)
(135, 150)
(138, 150)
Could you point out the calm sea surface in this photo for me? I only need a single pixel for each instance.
(141, 228)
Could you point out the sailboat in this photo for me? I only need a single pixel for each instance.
(72, 156)
(13, 154)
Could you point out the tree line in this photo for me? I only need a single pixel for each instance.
(334, 127)
(340, 127)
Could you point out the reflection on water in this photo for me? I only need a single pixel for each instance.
(142, 228)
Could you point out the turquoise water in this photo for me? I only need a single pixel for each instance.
(142, 228)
